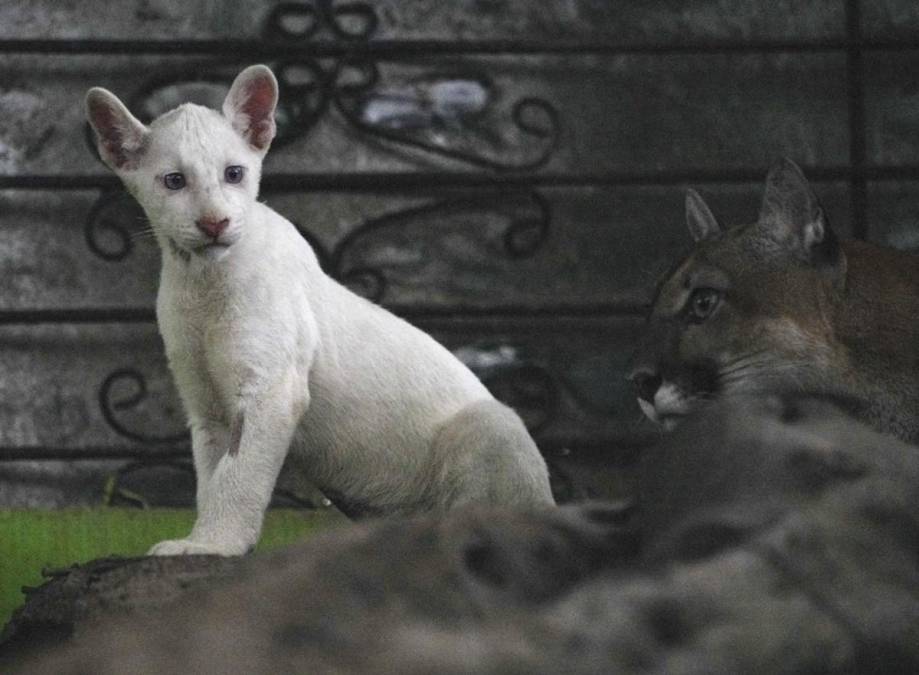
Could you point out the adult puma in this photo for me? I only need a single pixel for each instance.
(782, 304)
(270, 354)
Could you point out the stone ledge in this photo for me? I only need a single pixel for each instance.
(771, 534)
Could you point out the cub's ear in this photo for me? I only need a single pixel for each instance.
(250, 106)
(791, 213)
(702, 223)
(120, 137)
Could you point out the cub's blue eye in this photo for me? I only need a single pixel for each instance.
(234, 174)
(174, 181)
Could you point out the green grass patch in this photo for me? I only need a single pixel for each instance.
(31, 540)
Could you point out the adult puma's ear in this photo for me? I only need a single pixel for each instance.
(120, 137)
(250, 106)
(791, 213)
(699, 218)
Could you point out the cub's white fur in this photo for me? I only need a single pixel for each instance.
(270, 354)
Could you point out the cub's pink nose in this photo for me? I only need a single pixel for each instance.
(211, 226)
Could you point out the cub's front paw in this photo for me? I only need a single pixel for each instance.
(189, 547)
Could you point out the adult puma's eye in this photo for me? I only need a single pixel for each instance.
(174, 181)
(702, 303)
(234, 174)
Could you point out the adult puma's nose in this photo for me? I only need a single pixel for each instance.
(646, 383)
(211, 226)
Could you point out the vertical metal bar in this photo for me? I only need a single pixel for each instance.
(856, 100)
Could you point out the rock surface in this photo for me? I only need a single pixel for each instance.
(80, 595)
(771, 535)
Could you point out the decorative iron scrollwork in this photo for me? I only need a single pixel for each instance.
(454, 115)
(297, 21)
(525, 384)
(105, 230)
(527, 387)
(110, 405)
(450, 115)
(528, 217)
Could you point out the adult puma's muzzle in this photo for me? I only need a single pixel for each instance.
(661, 401)
(668, 390)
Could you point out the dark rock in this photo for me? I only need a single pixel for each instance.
(78, 596)
(770, 542)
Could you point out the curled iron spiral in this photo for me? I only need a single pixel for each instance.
(106, 221)
(110, 406)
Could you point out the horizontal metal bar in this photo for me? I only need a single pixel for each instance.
(594, 448)
(433, 316)
(390, 182)
(413, 48)
(385, 182)
(52, 182)
(461, 314)
(92, 453)
(84, 315)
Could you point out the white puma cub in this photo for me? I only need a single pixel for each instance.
(270, 354)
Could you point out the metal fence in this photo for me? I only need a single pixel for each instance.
(492, 160)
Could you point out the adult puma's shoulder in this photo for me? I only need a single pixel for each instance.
(782, 304)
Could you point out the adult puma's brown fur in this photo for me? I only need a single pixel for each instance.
(781, 304)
